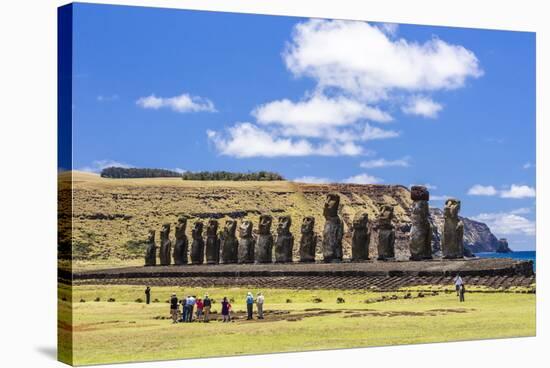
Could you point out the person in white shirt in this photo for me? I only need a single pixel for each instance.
(458, 284)
(260, 305)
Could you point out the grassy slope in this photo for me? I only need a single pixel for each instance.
(127, 331)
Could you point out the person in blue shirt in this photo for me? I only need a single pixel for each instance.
(249, 304)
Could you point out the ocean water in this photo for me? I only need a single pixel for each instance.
(528, 255)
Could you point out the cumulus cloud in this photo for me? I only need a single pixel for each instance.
(363, 179)
(482, 190)
(507, 223)
(372, 133)
(182, 103)
(423, 106)
(247, 140)
(312, 180)
(382, 162)
(518, 191)
(98, 165)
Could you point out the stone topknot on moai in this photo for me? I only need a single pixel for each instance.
(181, 245)
(197, 247)
(264, 244)
(360, 238)
(212, 243)
(246, 242)
(308, 241)
(284, 243)
(452, 238)
(165, 245)
(386, 233)
(229, 243)
(420, 242)
(151, 250)
(333, 231)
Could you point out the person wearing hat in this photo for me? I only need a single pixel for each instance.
(207, 304)
(260, 305)
(249, 304)
(174, 308)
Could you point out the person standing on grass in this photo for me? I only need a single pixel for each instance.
(200, 306)
(174, 308)
(190, 305)
(458, 282)
(147, 295)
(185, 308)
(207, 304)
(249, 305)
(225, 309)
(260, 305)
(461, 293)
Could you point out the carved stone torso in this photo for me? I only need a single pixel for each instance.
(246, 242)
(420, 237)
(197, 247)
(333, 231)
(285, 240)
(264, 244)
(182, 243)
(212, 243)
(229, 243)
(151, 250)
(360, 238)
(386, 233)
(165, 245)
(452, 238)
(308, 241)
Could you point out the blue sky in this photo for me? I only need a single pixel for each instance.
(315, 100)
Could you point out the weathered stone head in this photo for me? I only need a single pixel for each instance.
(283, 227)
(212, 228)
(182, 221)
(308, 224)
(165, 231)
(264, 227)
(181, 226)
(386, 214)
(151, 236)
(196, 232)
(452, 208)
(360, 221)
(229, 228)
(419, 193)
(245, 230)
(332, 203)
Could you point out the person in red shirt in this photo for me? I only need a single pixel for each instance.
(200, 306)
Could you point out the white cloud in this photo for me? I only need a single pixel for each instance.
(443, 197)
(482, 190)
(98, 165)
(423, 106)
(247, 140)
(518, 191)
(507, 223)
(182, 103)
(371, 133)
(111, 98)
(382, 162)
(363, 179)
(312, 180)
(363, 60)
(528, 165)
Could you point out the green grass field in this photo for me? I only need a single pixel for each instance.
(296, 320)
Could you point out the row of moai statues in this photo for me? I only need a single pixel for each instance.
(225, 247)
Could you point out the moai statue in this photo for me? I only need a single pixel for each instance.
(197, 247)
(151, 250)
(386, 233)
(165, 245)
(212, 243)
(284, 243)
(452, 238)
(308, 242)
(360, 238)
(264, 244)
(246, 242)
(182, 243)
(229, 243)
(420, 241)
(333, 231)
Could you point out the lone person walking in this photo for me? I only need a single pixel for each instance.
(148, 295)
(249, 305)
(260, 305)
(174, 308)
(461, 293)
(458, 283)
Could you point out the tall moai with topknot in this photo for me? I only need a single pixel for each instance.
(284, 244)
(360, 238)
(452, 237)
(247, 243)
(229, 244)
(197, 247)
(420, 236)
(333, 231)
(151, 250)
(308, 241)
(181, 246)
(386, 233)
(212, 242)
(165, 245)
(264, 243)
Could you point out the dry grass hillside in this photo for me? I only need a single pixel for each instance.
(111, 217)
